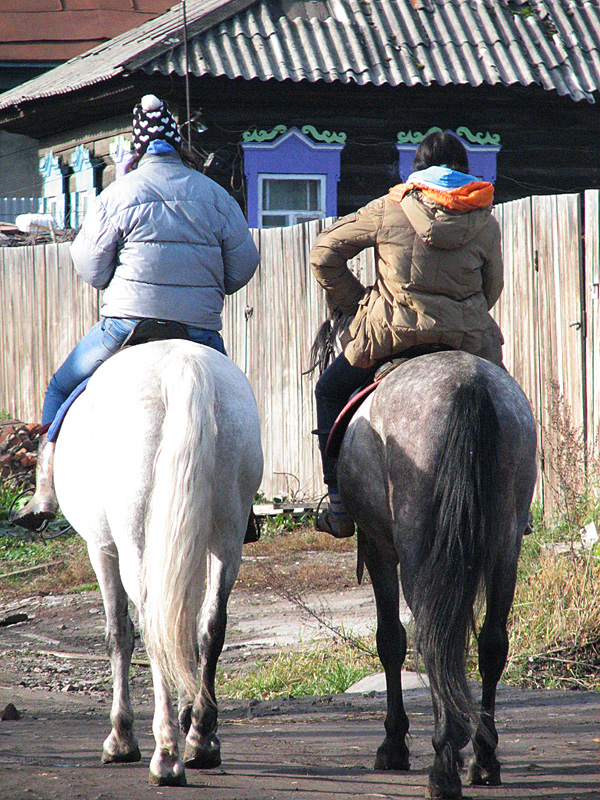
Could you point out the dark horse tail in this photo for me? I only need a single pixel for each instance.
(460, 548)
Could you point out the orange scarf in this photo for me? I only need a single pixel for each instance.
(476, 194)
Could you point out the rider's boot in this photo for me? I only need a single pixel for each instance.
(43, 505)
(334, 520)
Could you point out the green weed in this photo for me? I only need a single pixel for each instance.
(283, 523)
(321, 669)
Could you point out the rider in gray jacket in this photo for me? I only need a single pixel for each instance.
(164, 242)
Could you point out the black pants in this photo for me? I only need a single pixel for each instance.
(333, 390)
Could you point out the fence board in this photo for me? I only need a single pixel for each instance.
(557, 236)
(272, 345)
(592, 300)
(514, 311)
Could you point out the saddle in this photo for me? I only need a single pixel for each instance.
(146, 330)
(154, 330)
(334, 441)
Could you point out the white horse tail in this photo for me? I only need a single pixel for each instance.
(179, 520)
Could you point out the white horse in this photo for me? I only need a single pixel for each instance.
(156, 467)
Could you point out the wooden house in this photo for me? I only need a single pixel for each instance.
(311, 108)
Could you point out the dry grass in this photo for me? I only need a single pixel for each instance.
(555, 620)
(287, 548)
(555, 624)
(70, 568)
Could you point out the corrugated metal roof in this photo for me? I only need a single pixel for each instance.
(554, 43)
(551, 43)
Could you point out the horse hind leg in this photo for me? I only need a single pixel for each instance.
(166, 766)
(391, 647)
(484, 769)
(450, 736)
(185, 705)
(202, 746)
(121, 745)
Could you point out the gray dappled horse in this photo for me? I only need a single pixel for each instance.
(157, 465)
(437, 469)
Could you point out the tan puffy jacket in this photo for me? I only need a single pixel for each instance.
(438, 274)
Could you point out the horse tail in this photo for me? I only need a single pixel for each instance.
(179, 520)
(326, 345)
(461, 547)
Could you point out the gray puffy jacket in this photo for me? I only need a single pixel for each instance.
(166, 242)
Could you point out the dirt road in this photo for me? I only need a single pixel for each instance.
(52, 668)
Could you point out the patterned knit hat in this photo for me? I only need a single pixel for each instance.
(153, 120)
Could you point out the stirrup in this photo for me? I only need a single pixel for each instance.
(36, 519)
(340, 526)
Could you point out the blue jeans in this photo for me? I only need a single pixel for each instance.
(333, 390)
(96, 347)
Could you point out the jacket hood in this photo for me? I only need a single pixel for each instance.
(440, 227)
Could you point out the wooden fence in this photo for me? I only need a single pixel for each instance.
(549, 313)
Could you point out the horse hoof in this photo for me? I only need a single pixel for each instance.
(201, 760)
(479, 775)
(389, 759)
(202, 754)
(449, 791)
(133, 756)
(167, 780)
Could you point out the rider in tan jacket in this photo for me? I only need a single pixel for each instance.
(439, 272)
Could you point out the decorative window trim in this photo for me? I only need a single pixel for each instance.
(482, 149)
(293, 153)
(55, 197)
(84, 182)
(121, 155)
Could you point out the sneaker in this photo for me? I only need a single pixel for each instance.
(339, 525)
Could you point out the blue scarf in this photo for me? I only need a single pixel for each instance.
(441, 178)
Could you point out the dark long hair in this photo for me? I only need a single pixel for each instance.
(188, 157)
(462, 549)
(441, 148)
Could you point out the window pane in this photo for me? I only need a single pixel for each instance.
(274, 220)
(289, 194)
(314, 190)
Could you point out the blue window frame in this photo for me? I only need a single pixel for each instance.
(290, 177)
